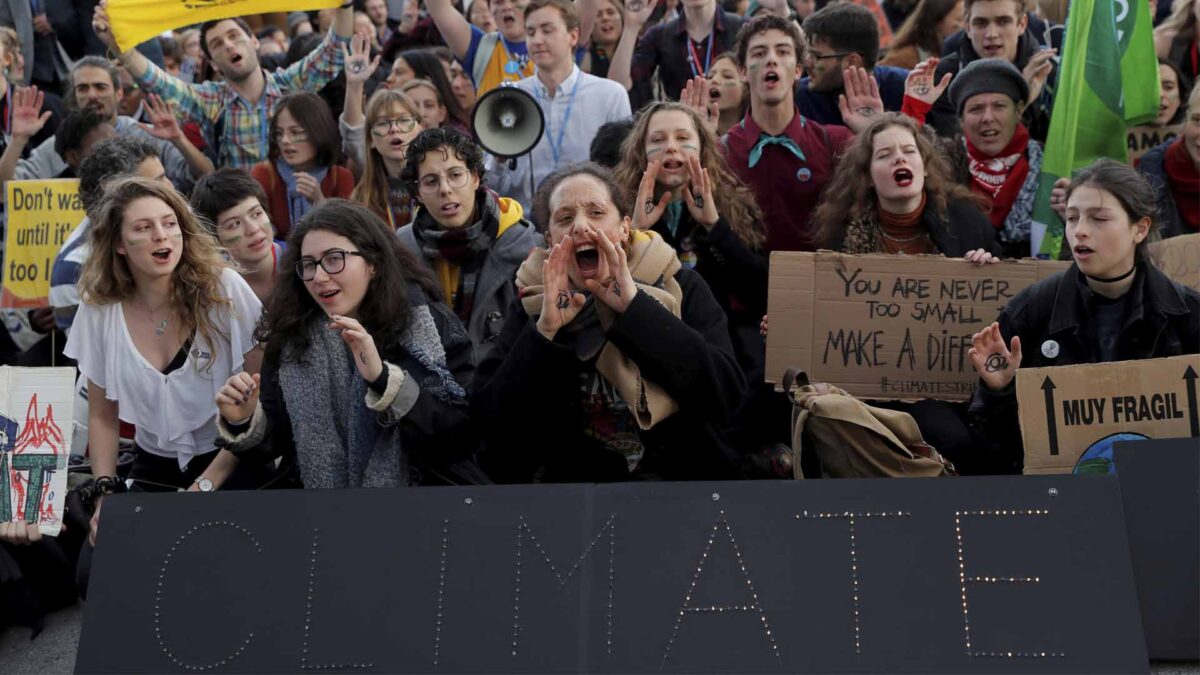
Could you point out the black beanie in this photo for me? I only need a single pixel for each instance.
(988, 76)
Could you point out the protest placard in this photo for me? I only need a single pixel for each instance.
(1178, 258)
(36, 406)
(1072, 415)
(135, 21)
(41, 215)
(1143, 139)
(886, 326)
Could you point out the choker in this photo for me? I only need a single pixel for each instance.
(1112, 279)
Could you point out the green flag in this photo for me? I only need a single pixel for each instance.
(1107, 79)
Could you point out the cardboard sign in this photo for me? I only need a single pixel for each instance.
(745, 577)
(135, 21)
(1143, 139)
(1071, 415)
(36, 406)
(41, 215)
(887, 326)
(1178, 258)
(1160, 490)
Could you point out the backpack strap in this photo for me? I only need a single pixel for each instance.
(483, 56)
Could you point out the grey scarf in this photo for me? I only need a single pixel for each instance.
(339, 441)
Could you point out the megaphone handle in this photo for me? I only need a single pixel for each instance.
(512, 163)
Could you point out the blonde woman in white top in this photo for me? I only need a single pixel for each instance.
(163, 323)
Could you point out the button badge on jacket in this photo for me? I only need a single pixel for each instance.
(1050, 349)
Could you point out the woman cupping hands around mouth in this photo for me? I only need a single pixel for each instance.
(624, 352)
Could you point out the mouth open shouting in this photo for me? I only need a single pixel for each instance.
(903, 177)
(587, 259)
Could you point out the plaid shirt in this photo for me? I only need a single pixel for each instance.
(245, 125)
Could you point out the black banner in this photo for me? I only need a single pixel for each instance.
(988, 575)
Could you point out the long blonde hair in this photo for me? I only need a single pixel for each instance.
(196, 282)
(372, 188)
(1181, 23)
(734, 199)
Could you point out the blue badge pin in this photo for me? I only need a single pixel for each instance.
(512, 68)
(804, 174)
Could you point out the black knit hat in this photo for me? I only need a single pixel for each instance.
(988, 76)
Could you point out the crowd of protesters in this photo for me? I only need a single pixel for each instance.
(298, 268)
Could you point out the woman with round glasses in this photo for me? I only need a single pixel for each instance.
(365, 372)
(303, 166)
(473, 239)
(391, 122)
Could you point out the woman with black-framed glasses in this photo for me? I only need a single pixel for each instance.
(473, 239)
(365, 371)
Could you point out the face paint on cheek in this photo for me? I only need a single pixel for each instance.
(689, 146)
(232, 240)
(650, 152)
(134, 242)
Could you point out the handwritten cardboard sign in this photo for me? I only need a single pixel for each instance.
(1142, 139)
(41, 215)
(886, 326)
(1178, 258)
(1072, 415)
(35, 442)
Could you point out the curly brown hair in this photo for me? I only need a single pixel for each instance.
(850, 192)
(196, 282)
(734, 200)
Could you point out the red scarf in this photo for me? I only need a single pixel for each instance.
(1184, 180)
(1000, 177)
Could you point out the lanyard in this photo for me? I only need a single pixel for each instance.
(556, 146)
(694, 57)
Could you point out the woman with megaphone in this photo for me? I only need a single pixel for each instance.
(616, 364)
(473, 239)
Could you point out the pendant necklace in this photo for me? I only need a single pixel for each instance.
(160, 327)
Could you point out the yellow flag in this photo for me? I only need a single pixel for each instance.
(135, 21)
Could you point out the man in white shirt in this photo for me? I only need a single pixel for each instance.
(574, 103)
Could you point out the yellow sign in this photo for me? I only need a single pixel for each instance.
(41, 215)
(135, 21)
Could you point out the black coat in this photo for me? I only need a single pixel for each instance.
(736, 275)
(1153, 169)
(963, 229)
(1162, 320)
(527, 398)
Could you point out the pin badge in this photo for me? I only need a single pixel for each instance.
(1049, 349)
(804, 174)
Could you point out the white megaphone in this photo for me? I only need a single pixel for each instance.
(507, 121)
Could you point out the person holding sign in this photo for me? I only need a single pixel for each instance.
(1173, 170)
(1110, 305)
(618, 356)
(894, 193)
(365, 370)
(687, 194)
(163, 322)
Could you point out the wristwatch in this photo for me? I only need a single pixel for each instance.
(204, 484)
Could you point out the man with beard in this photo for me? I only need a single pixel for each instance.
(235, 114)
(96, 86)
(785, 158)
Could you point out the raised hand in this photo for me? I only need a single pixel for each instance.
(103, 27)
(1058, 197)
(358, 63)
(309, 188)
(861, 104)
(919, 83)
(695, 96)
(162, 119)
(362, 345)
(618, 290)
(238, 398)
(700, 202)
(560, 304)
(645, 211)
(1037, 71)
(27, 118)
(637, 12)
(996, 363)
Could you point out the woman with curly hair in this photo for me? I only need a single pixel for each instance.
(365, 370)
(163, 322)
(893, 193)
(687, 194)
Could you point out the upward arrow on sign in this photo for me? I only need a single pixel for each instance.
(1051, 423)
(1190, 376)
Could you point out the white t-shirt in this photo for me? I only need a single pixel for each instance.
(175, 414)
